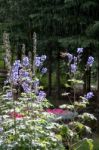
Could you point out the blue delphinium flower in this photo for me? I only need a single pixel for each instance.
(90, 61)
(1, 129)
(79, 50)
(9, 94)
(28, 79)
(14, 77)
(41, 95)
(26, 87)
(36, 82)
(17, 64)
(15, 72)
(89, 95)
(23, 73)
(70, 57)
(43, 57)
(73, 68)
(44, 70)
(25, 61)
(75, 60)
(38, 61)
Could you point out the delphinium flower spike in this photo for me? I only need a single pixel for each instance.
(80, 50)
(79, 53)
(73, 68)
(23, 50)
(90, 61)
(89, 95)
(70, 57)
(7, 47)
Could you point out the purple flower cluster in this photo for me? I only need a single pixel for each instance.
(73, 68)
(43, 58)
(89, 95)
(9, 94)
(15, 72)
(75, 60)
(20, 75)
(44, 70)
(1, 129)
(26, 87)
(25, 61)
(90, 61)
(23, 73)
(41, 96)
(70, 57)
(39, 60)
(79, 50)
(36, 82)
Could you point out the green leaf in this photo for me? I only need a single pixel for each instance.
(67, 85)
(90, 143)
(70, 107)
(76, 81)
(80, 105)
(79, 125)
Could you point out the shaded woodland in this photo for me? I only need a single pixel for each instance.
(61, 26)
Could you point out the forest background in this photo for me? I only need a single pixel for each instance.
(61, 26)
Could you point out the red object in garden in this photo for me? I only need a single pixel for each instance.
(56, 111)
(16, 115)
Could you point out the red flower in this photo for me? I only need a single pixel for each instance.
(16, 115)
(56, 111)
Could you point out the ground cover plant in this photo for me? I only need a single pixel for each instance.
(24, 122)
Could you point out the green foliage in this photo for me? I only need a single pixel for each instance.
(87, 145)
(24, 122)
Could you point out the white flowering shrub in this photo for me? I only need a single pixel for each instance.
(24, 123)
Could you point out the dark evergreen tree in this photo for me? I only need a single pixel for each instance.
(69, 22)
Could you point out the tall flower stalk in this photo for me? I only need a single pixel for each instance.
(76, 126)
(7, 47)
(34, 52)
(23, 50)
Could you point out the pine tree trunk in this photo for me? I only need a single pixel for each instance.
(98, 75)
(58, 75)
(50, 73)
